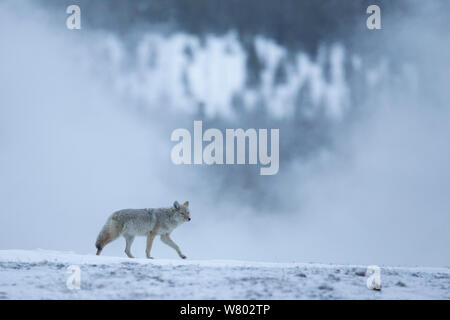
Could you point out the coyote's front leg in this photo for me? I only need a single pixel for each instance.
(167, 240)
(150, 238)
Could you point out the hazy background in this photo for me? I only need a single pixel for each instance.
(86, 117)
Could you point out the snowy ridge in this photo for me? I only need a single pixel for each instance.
(42, 274)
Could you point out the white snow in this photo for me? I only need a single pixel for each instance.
(180, 72)
(42, 274)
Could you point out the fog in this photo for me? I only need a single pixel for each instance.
(85, 130)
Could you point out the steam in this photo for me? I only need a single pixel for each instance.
(76, 144)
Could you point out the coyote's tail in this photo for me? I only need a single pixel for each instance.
(110, 231)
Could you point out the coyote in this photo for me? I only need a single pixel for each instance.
(144, 222)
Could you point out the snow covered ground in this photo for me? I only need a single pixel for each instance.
(42, 274)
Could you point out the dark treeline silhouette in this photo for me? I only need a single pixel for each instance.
(292, 23)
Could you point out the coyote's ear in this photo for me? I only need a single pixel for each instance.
(176, 205)
(186, 204)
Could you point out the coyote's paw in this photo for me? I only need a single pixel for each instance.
(183, 256)
(150, 257)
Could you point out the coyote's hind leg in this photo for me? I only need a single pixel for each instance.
(150, 238)
(129, 241)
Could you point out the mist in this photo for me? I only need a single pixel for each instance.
(364, 165)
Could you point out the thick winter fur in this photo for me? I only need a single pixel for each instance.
(144, 222)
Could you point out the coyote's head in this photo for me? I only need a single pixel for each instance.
(181, 212)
